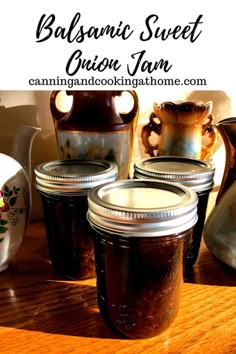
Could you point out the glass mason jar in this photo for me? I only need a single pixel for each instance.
(140, 228)
(63, 186)
(195, 174)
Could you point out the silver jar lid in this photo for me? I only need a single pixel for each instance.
(193, 173)
(73, 176)
(142, 208)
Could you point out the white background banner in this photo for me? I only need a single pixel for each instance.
(105, 44)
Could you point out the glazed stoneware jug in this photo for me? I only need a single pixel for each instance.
(15, 193)
(227, 129)
(220, 228)
(180, 128)
(94, 128)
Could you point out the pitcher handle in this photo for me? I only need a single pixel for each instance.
(209, 130)
(128, 117)
(147, 129)
(55, 111)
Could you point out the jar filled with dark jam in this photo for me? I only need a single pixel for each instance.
(195, 174)
(140, 228)
(64, 186)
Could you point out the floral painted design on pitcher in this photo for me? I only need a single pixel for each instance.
(184, 129)
(15, 204)
(113, 147)
(9, 213)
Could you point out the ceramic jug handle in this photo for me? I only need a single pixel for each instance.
(210, 131)
(56, 113)
(147, 129)
(128, 117)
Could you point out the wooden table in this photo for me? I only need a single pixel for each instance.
(39, 313)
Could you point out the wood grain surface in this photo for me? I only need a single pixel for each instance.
(39, 313)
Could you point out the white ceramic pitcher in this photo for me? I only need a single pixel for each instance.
(15, 191)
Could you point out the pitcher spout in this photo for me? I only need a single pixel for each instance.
(22, 145)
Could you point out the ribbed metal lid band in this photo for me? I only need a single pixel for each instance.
(73, 176)
(199, 175)
(177, 214)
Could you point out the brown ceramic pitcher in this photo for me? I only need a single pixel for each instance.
(220, 227)
(93, 128)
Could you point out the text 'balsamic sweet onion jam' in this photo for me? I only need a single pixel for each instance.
(64, 186)
(140, 230)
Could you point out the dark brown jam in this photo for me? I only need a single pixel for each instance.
(142, 230)
(139, 281)
(193, 250)
(64, 187)
(69, 236)
(192, 173)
